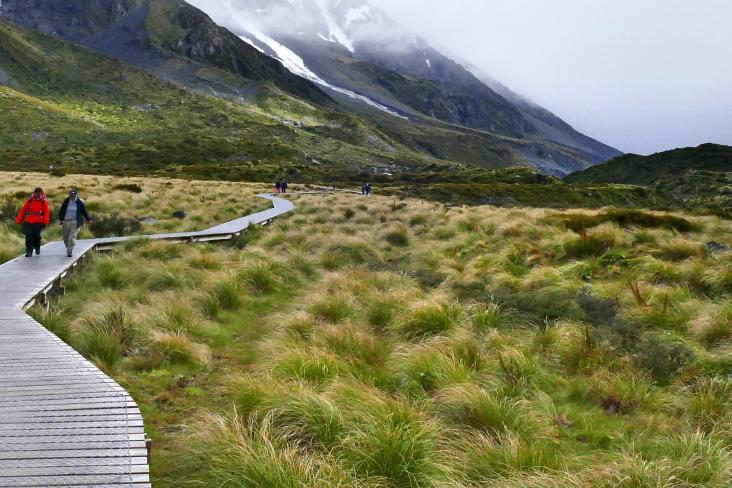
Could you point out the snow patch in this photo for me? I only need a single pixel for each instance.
(325, 38)
(362, 13)
(252, 43)
(429, 64)
(296, 65)
(336, 33)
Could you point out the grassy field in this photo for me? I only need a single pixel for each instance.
(123, 206)
(378, 342)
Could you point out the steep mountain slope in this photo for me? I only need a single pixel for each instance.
(168, 38)
(701, 176)
(75, 110)
(353, 46)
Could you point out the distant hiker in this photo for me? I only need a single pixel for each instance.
(368, 189)
(278, 187)
(72, 216)
(363, 190)
(284, 186)
(34, 217)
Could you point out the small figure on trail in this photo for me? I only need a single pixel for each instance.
(284, 186)
(278, 187)
(363, 190)
(368, 189)
(72, 216)
(34, 217)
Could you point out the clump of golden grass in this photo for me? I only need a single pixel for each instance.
(462, 355)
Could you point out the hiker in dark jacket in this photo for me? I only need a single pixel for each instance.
(278, 187)
(72, 216)
(34, 217)
(284, 186)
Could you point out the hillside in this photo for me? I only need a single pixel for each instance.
(417, 97)
(75, 110)
(701, 176)
(168, 38)
(351, 47)
(371, 343)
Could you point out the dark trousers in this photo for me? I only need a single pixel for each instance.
(32, 236)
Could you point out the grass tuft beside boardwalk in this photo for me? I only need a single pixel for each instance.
(374, 343)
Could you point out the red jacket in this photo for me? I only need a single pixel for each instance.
(34, 212)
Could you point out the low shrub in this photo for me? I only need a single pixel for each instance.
(629, 218)
(584, 247)
(128, 187)
(397, 237)
(114, 225)
(663, 357)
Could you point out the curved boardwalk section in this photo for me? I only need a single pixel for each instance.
(62, 421)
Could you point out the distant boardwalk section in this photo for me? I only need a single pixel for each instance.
(62, 421)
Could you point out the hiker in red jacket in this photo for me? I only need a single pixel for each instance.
(34, 217)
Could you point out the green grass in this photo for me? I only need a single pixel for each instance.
(479, 353)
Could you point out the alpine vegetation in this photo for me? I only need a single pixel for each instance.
(411, 344)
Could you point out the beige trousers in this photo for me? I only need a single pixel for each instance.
(70, 231)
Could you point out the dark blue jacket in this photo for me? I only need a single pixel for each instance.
(81, 213)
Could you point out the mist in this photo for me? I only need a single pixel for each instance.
(640, 76)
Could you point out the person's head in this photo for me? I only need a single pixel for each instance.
(38, 193)
(73, 195)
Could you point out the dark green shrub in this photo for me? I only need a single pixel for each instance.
(583, 247)
(128, 187)
(9, 210)
(629, 218)
(597, 310)
(397, 238)
(663, 357)
(114, 225)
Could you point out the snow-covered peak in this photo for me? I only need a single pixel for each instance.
(335, 32)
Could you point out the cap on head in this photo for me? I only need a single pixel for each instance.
(38, 190)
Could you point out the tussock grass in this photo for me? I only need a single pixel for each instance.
(492, 347)
(429, 319)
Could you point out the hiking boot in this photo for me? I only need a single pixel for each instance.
(29, 254)
(38, 251)
(70, 254)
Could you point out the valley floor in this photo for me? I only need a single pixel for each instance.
(380, 342)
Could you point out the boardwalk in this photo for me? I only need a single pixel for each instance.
(62, 421)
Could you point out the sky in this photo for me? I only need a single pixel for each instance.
(640, 75)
